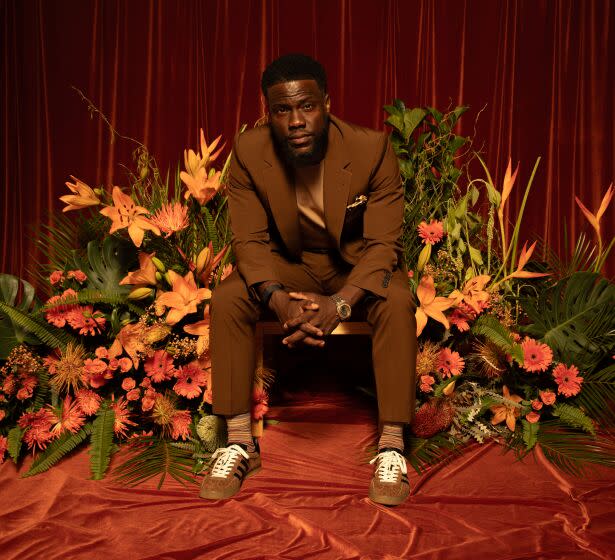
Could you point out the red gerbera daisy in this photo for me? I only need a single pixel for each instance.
(431, 232)
(567, 379)
(450, 363)
(536, 355)
(159, 366)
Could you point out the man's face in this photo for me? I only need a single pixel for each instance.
(299, 119)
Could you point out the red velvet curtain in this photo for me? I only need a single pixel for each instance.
(540, 74)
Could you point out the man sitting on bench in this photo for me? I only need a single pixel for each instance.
(316, 208)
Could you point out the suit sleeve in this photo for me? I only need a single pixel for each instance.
(249, 224)
(382, 224)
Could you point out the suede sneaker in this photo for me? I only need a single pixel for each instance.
(389, 485)
(228, 468)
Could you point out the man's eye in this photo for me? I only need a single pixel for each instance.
(308, 106)
(281, 110)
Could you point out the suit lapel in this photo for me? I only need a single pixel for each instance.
(336, 182)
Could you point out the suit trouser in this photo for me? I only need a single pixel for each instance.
(234, 313)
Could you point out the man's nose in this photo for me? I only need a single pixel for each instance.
(296, 119)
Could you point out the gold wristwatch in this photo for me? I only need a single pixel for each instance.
(343, 307)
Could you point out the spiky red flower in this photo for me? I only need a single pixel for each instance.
(434, 416)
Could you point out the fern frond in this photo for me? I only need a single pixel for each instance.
(573, 417)
(47, 334)
(152, 457)
(42, 389)
(489, 327)
(530, 434)
(66, 443)
(425, 453)
(14, 442)
(212, 232)
(93, 296)
(102, 442)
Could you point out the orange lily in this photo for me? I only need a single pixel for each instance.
(201, 329)
(507, 411)
(130, 340)
(473, 293)
(202, 184)
(146, 275)
(125, 213)
(594, 220)
(430, 305)
(183, 299)
(82, 197)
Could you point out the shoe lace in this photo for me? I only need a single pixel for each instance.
(389, 465)
(224, 460)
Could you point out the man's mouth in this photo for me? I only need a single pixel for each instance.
(298, 141)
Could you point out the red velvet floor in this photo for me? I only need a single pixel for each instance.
(310, 501)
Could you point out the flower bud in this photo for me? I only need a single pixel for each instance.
(203, 260)
(140, 293)
(448, 390)
(159, 264)
(424, 257)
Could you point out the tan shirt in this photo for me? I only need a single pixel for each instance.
(309, 189)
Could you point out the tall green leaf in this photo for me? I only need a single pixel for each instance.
(14, 442)
(102, 441)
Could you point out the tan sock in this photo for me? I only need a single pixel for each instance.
(391, 436)
(240, 430)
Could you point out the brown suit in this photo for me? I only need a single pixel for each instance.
(267, 244)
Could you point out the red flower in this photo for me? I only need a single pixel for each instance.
(567, 379)
(88, 401)
(532, 417)
(450, 363)
(190, 379)
(56, 277)
(180, 424)
(77, 275)
(260, 404)
(426, 383)
(128, 383)
(537, 404)
(536, 355)
(547, 397)
(159, 366)
(86, 320)
(431, 233)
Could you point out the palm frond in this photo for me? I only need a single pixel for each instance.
(101, 441)
(423, 454)
(574, 452)
(155, 457)
(573, 417)
(56, 450)
(597, 394)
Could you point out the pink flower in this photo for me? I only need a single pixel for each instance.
(86, 320)
(77, 275)
(97, 372)
(147, 403)
(180, 424)
(128, 383)
(72, 418)
(159, 366)
(38, 428)
(532, 417)
(2, 414)
(59, 313)
(536, 355)
(88, 401)
(567, 379)
(122, 414)
(56, 277)
(4, 443)
(190, 379)
(450, 363)
(125, 364)
(28, 385)
(537, 404)
(260, 404)
(133, 395)
(431, 233)
(547, 397)
(171, 218)
(9, 385)
(426, 383)
(102, 353)
(411, 274)
(147, 382)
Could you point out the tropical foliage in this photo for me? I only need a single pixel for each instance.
(510, 349)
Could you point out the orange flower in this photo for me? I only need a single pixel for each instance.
(82, 197)
(508, 412)
(171, 218)
(184, 298)
(131, 340)
(523, 260)
(431, 233)
(594, 219)
(568, 380)
(450, 363)
(201, 329)
(125, 213)
(146, 275)
(536, 355)
(202, 185)
(430, 305)
(473, 293)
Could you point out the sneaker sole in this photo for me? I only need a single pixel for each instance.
(386, 500)
(209, 494)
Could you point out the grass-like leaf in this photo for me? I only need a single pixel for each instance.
(56, 450)
(155, 457)
(14, 442)
(102, 442)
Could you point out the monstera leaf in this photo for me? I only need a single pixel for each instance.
(109, 264)
(576, 318)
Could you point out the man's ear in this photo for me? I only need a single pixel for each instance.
(327, 103)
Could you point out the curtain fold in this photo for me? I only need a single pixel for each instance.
(538, 76)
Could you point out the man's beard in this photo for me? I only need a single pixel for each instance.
(314, 156)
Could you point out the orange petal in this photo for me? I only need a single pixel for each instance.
(426, 291)
(421, 321)
(590, 217)
(606, 200)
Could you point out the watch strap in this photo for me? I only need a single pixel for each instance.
(268, 292)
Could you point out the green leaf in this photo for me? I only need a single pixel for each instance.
(412, 118)
(14, 442)
(102, 441)
(151, 456)
(12, 333)
(109, 264)
(530, 434)
(93, 296)
(489, 327)
(573, 417)
(66, 443)
(422, 454)
(397, 122)
(475, 255)
(598, 394)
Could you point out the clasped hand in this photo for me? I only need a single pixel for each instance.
(306, 316)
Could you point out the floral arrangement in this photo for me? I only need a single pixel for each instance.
(509, 348)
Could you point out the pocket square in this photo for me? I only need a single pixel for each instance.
(359, 199)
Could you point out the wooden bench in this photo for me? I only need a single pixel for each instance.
(268, 328)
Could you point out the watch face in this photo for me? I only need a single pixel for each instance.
(344, 311)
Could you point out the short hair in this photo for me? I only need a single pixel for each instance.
(291, 67)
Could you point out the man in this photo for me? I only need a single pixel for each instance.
(316, 208)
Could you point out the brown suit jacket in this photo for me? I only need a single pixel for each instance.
(264, 214)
